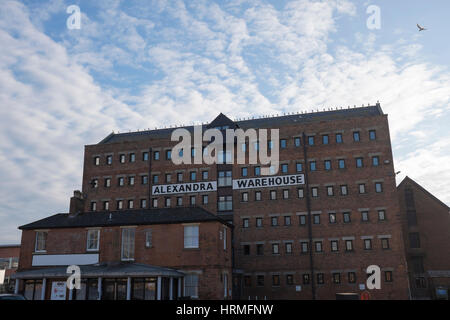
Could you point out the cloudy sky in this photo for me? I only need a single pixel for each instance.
(141, 64)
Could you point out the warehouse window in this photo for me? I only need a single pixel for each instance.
(274, 221)
(288, 247)
(259, 249)
(260, 281)
(318, 245)
(327, 165)
(347, 217)
(128, 244)
(93, 240)
(143, 203)
(156, 155)
(122, 158)
(225, 203)
(299, 167)
(287, 220)
(356, 136)
(289, 279)
(302, 219)
(312, 166)
(144, 179)
(168, 154)
(275, 248)
(320, 279)
(121, 181)
(375, 161)
(191, 285)
(341, 163)
(332, 217)
(246, 249)
(362, 188)
(193, 175)
(93, 206)
(344, 190)
(119, 204)
(316, 218)
(132, 157)
(273, 194)
(109, 160)
(96, 161)
(244, 172)
(311, 140)
(155, 179)
(348, 245)
(334, 246)
(179, 201)
(244, 197)
(336, 278)
(300, 193)
(191, 235)
(283, 143)
(205, 199)
(105, 205)
(257, 171)
(284, 168)
(304, 247)
(351, 277)
(131, 181)
(414, 240)
(41, 241)
(325, 139)
(385, 243)
(167, 202)
(275, 280)
(192, 200)
(330, 191)
(145, 156)
(367, 244)
(372, 135)
(297, 141)
(388, 276)
(259, 222)
(315, 192)
(225, 179)
(365, 216)
(359, 162)
(245, 223)
(378, 187)
(305, 278)
(130, 204)
(107, 182)
(339, 138)
(257, 195)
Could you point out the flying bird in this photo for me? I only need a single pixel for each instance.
(420, 28)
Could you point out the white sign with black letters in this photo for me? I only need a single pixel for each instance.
(265, 182)
(184, 188)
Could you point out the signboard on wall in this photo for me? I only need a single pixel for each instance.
(265, 182)
(184, 188)
(58, 290)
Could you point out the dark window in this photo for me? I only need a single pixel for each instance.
(283, 143)
(275, 280)
(339, 138)
(378, 187)
(299, 167)
(312, 166)
(247, 281)
(260, 249)
(205, 199)
(325, 139)
(155, 178)
(388, 276)
(245, 223)
(327, 164)
(297, 142)
(257, 171)
(356, 136)
(411, 217)
(260, 281)
(284, 168)
(351, 277)
(417, 264)
(341, 163)
(320, 279)
(225, 203)
(156, 155)
(289, 279)
(372, 135)
(385, 243)
(193, 175)
(205, 175)
(302, 219)
(344, 190)
(311, 140)
(305, 278)
(336, 278)
(367, 244)
(168, 154)
(381, 215)
(259, 222)
(287, 220)
(244, 172)
(246, 250)
(144, 179)
(274, 221)
(144, 156)
(365, 216)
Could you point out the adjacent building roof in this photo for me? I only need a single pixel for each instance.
(102, 270)
(125, 217)
(407, 180)
(264, 122)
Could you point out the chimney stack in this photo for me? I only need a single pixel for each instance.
(76, 203)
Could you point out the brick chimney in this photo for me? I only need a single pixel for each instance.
(76, 203)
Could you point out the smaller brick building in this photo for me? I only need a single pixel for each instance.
(426, 233)
(9, 260)
(147, 254)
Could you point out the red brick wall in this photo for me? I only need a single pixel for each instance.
(167, 250)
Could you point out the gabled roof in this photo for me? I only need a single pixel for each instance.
(125, 217)
(407, 180)
(256, 123)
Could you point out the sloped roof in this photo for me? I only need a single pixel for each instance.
(407, 180)
(125, 217)
(257, 123)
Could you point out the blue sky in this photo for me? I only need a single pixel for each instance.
(141, 64)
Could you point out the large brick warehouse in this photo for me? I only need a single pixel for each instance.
(145, 228)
